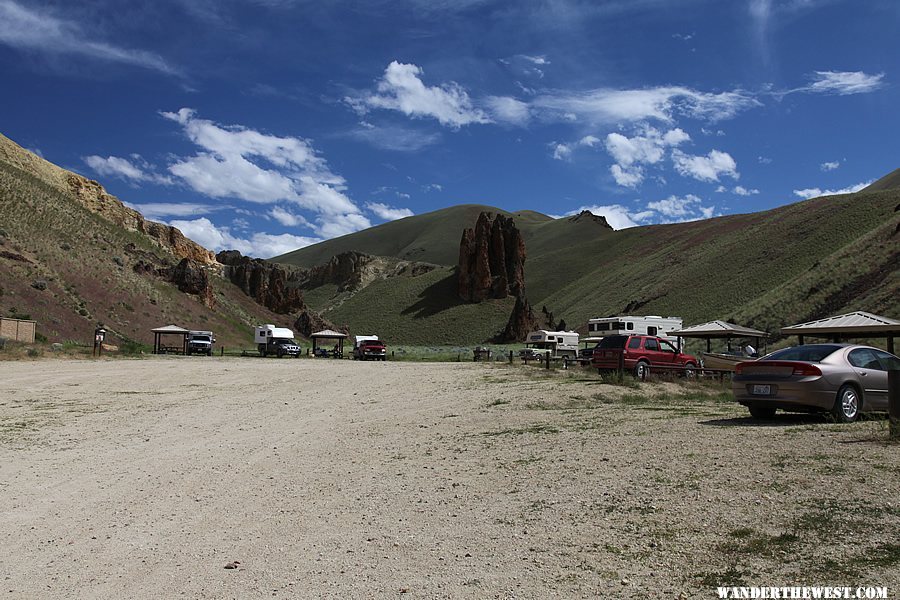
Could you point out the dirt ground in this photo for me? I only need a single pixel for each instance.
(338, 479)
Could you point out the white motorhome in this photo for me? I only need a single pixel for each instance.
(275, 340)
(557, 343)
(630, 325)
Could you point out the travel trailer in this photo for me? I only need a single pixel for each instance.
(627, 325)
(275, 340)
(556, 343)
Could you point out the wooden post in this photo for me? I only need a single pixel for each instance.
(621, 366)
(548, 360)
(510, 357)
(894, 403)
(890, 344)
(221, 350)
(566, 363)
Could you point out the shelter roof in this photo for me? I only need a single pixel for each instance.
(329, 333)
(718, 329)
(171, 329)
(855, 322)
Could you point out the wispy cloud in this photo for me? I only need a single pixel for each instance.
(674, 209)
(840, 83)
(388, 213)
(158, 210)
(392, 137)
(43, 32)
(815, 192)
(134, 171)
(830, 165)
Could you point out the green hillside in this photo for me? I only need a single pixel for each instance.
(431, 237)
(794, 263)
(891, 181)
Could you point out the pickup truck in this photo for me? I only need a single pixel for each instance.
(370, 350)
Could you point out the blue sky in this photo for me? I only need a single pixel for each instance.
(267, 125)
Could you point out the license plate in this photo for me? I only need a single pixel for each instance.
(762, 390)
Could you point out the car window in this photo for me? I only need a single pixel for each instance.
(634, 343)
(889, 362)
(613, 341)
(809, 353)
(667, 346)
(864, 358)
(651, 344)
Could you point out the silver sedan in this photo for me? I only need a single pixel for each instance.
(841, 379)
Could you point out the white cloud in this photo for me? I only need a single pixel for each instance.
(287, 218)
(673, 206)
(830, 166)
(629, 177)
(399, 139)
(432, 187)
(388, 213)
(705, 168)
(648, 148)
(157, 210)
(742, 191)
(237, 162)
(764, 160)
(563, 151)
(618, 216)
(262, 245)
(817, 192)
(844, 83)
(114, 166)
(401, 89)
(612, 106)
(35, 30)
(505, 109)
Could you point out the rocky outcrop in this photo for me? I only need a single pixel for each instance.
(96, 199)
(587, 216)
(309, 322)
(265, 282)
(352, 271)
(192, 278)
(521, 321)
(491, 260)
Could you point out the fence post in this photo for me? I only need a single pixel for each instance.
(894, 403)
(510, 357)
(548, 360)
(565, 363)
(221, 350)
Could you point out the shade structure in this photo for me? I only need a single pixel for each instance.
(718, 329)
(328, 334)
(170, 330)
(857, 324)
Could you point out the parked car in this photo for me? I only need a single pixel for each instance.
(641, 353)
(370, 350)
(843, 379)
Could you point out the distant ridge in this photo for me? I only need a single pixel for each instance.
(891, 181)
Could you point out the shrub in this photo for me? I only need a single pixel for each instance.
(40, 337)
(39, 284)
(2, 343)
(34, 353)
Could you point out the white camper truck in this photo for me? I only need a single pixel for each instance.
(200, 342)
(275, 340)
(557, 344)
(627, 325)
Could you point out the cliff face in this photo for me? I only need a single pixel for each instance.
(491, 260)
(265, 282)
(95, 198)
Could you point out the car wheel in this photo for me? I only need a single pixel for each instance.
(847, 404)
(689, 371)
(642, 370)
(758, 411)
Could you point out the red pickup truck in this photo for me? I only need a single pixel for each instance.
(641, 353)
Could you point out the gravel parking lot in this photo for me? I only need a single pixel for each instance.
(323, 478)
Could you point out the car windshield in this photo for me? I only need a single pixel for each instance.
(201, 338)
(285, 342)
(810, 353)
(613, 341)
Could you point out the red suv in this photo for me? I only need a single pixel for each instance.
(641, 353)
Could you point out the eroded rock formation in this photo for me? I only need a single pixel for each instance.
(265, 282)
(491, 259)
(191, 277)
(309, 322)
(521, 321)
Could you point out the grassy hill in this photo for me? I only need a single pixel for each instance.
(794, 263)
(891, 181)
(69, 268)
